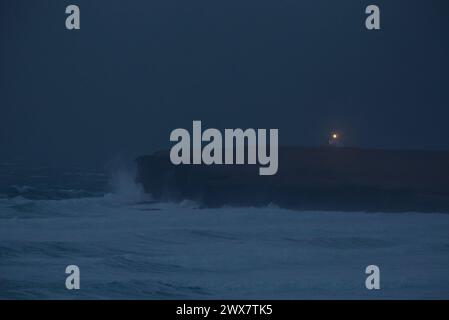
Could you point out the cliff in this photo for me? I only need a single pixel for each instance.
(324, 178)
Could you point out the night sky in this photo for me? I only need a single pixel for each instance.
(138, 69)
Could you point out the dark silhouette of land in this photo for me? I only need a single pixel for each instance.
(321, 178)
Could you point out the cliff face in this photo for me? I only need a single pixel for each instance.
(310, 178)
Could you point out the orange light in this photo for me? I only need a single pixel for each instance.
(334, 136)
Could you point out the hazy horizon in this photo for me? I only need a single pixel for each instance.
(135, 71)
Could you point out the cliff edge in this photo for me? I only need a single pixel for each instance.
(322, 178)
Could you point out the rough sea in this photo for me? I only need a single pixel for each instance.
(130, 247)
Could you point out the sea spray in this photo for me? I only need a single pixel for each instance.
(124, 188)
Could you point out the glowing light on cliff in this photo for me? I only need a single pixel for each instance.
(334, 139)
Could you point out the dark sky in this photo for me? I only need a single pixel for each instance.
(138, 69)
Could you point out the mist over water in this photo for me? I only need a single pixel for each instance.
(128, 246)
(137, 70)
(125, 189)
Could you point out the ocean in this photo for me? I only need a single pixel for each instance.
(128, 246)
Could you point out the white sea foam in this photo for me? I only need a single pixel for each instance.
(128, 246)
(132, 249)
(125, 189)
